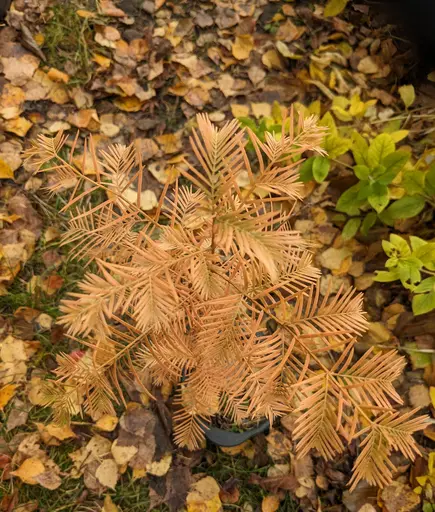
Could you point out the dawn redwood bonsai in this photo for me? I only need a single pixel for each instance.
(183, 296)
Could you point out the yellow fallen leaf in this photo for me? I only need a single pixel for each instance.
(9, 218)
(432, 395)
(368, 65)
(107, 423)
(334, 7)
(431, 76)
(243, 46)
(407, 94)
(83, 13)
(6, 393)
(271, 59)
(169, 142)
(39, 38)
(20, 126)
(239, 110)
(57, 76)
(28, 470)
(102, 61)
(108, 505)
(123, 454)
(5, 171)
(204, 496)
(270, 503)
(128, 104)
(261, 110)
(161, 467)
(59, 432)
(107, 473)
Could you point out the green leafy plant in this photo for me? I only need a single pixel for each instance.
(378, 164)
(407, 261)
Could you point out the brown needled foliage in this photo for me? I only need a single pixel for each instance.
(183, 298)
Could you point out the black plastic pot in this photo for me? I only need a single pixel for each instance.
(222, 437)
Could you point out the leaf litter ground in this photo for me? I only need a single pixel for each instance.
(140, 71)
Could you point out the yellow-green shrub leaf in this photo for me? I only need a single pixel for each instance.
(321, 167)
(407, 93)
(423, 303)
(379, 148)
(334, 7)
(406, 207)
(368, 222)
(399, 135)
(360, 149)
(351, 228)
(336, 146)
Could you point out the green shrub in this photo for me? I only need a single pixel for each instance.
(407, 261)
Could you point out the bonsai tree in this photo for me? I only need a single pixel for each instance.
(183, 297)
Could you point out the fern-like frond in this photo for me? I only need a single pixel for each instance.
(221, 153)
(333, 321)
(390, 431)
(316, 427)
(370, 379)
(189, 429)
(92, 235)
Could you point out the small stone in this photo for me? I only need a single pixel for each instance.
(149, 6)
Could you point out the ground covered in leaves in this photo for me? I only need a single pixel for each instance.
(138, 71)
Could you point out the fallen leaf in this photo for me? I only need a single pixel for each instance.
(407, 94)
(270, 503)
(243, 46)
(128, 104)
(5, 171)
(161, 467)
(57, 76)
(261, 110)
(49, 479)
(399, 497)
(18, 414)
(123, 454)
(240, 110)
(108, 505)
(107, 473)
(107, 423)
(204, 496)
(20, 126)
(272, 60)
(368, 66)
(6, 393)
(334, 7)
(419, 395)
(29, 469)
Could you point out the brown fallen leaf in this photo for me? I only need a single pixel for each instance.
(275, 483)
